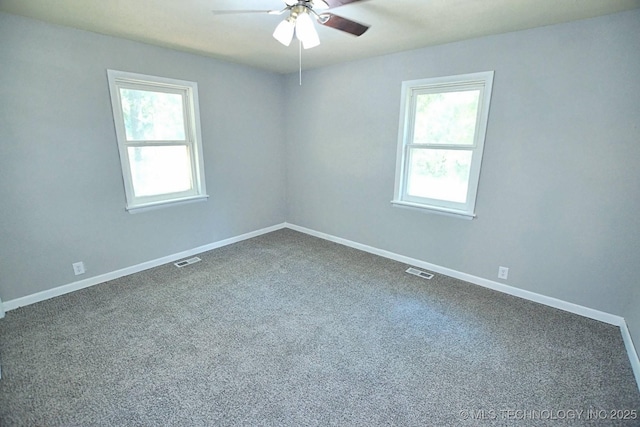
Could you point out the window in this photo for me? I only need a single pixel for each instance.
(158, 130)
(443, 123)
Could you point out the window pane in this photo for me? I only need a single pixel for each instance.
(160, 170)
(447, 118)
(439, 174)
(152, 116)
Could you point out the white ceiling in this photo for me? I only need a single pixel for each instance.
(396, 25)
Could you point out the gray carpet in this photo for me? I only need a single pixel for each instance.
(287, 329)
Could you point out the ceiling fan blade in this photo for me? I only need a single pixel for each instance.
(336, 3)
(342, 24)
(244, 11)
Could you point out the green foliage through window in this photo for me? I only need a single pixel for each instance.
(152, 116)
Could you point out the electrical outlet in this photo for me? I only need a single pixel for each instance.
(503, 273)
(78, 268)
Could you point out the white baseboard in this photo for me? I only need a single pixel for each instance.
(631, 351)
(500, 287)
(91, 281)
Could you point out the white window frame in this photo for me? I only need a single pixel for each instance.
(193, 137)
(482, 81)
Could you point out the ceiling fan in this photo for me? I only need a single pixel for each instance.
(300, 20)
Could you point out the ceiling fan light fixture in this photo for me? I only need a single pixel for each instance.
(311, 42)
(306, 32)
(284, 31)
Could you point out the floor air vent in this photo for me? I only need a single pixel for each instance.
(186, 262)
(419, 273)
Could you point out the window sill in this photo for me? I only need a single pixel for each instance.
(433, 209)
(165, 204)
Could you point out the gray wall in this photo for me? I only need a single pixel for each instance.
(632, 316)
(559, 193)
(61, 193)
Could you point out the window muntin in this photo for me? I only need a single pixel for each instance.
(158, 132)
(441, 139)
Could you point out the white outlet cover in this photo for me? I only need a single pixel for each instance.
(503, 273)
(78, 268)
